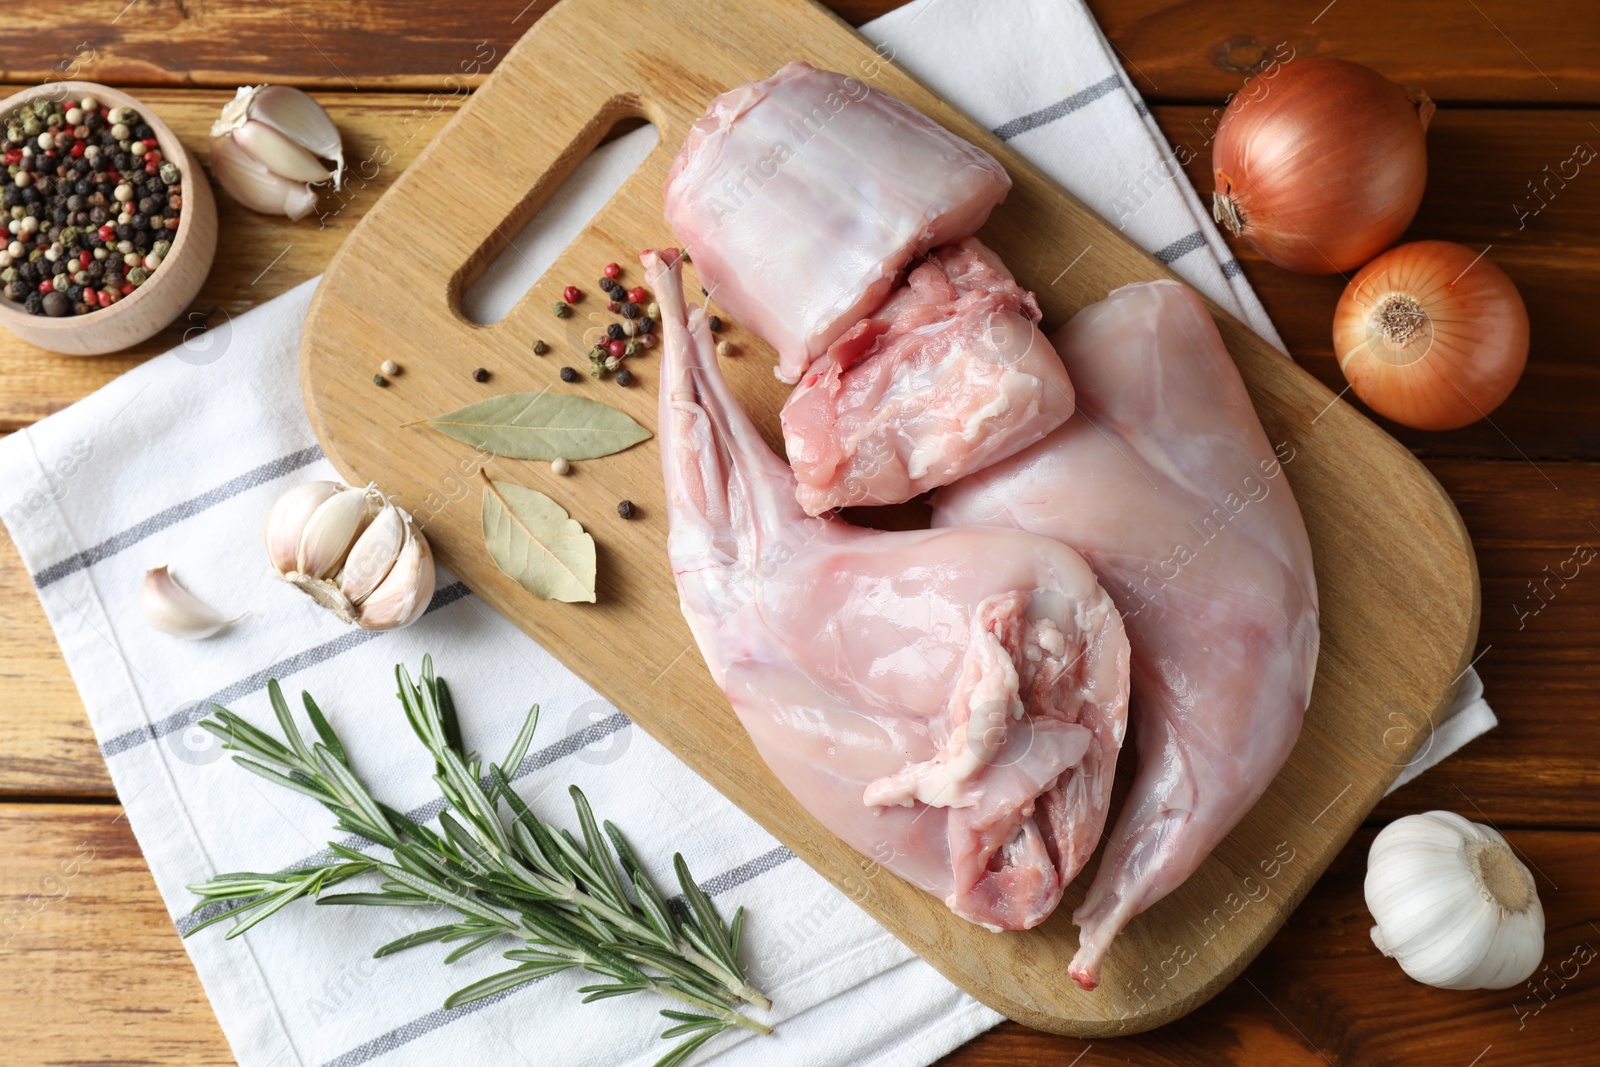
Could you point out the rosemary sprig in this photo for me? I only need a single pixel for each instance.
(571, 902)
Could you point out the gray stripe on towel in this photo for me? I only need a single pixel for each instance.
(193, 712)
(175, 514)
(1046, 115)
(1181, 247)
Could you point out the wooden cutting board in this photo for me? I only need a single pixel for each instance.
(1399, 585)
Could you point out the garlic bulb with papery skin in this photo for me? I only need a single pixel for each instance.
(1453, 905)
(269, 147)
(352, 551)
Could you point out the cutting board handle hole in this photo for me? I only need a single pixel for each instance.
(581, 196)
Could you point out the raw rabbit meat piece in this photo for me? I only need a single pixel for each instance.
(802, 196)
(949, 702)
(1166, 482)
(950, 375)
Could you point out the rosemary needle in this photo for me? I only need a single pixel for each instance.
(570, 901)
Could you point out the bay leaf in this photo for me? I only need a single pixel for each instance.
(535, 541)
(542, 426)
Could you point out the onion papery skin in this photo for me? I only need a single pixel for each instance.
(1465, 355)
(1323, 169)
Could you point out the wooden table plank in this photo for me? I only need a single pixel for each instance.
(1541, 671)
(93, 963)
(1498, 49)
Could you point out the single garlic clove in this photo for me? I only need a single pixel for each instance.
(287, 520)
(279, 154)
(333, 528)
(292, 113)
(373, 555)
(174, 610)
(404, 595)
(250, 182)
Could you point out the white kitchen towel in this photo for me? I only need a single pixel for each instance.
(178, 461)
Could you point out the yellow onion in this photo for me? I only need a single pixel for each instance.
(1324, 168)
(1431, 335)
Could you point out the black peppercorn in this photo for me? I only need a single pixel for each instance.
(143, 132)
(606, 284)
(626, 509)
(646, 324)
(17, 291)
(35, 303)
(568, 374)
(624, 377)
(631, 310)
(480, 375)
(715, 323)
(615, 332)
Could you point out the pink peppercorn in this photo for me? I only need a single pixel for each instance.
(612, 270)
(572, 294)
(616, 348)
(638, 295)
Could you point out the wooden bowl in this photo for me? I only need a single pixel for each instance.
(169, 289)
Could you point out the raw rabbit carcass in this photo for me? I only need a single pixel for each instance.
(802, 196)
(1166, 482)
(949, 376)
(949, 702)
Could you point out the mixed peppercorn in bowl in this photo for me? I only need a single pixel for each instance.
(99, 200)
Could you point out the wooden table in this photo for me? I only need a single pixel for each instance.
(93, 972)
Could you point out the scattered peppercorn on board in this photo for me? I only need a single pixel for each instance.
(1398, 580)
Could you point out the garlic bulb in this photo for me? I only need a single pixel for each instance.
(268, 149)
(174, 610)
(1453, 905)
(352, 551)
